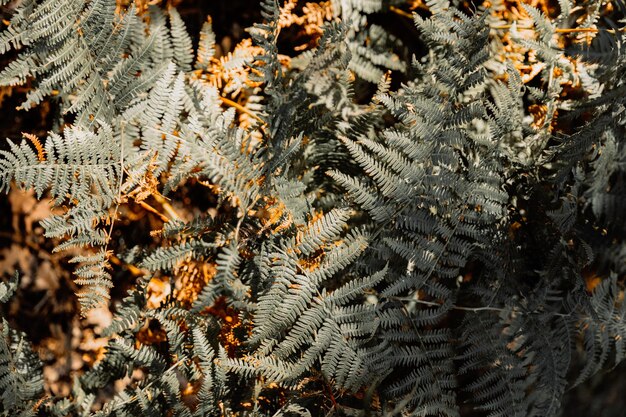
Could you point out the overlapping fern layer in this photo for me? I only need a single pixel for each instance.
(428, 252)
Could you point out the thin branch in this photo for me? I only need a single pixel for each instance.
(463, 308)
(241, 108)
(400, 12)
(134, 271)
(152, 210)
(167, 206)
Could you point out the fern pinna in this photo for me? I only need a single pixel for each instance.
(371, 248)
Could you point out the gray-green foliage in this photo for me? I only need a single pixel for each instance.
(382, 211)
(21, 380)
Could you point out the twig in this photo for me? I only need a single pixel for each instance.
(241, 108)
(136, 272)
(154, 211)
(167, 206)
(462, 308)
(400, 12)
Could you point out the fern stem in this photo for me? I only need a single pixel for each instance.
(562, 30)
(465, 308)
(119, 185)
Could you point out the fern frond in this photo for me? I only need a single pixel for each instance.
(181, 42)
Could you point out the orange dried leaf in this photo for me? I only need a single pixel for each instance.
(41, 153)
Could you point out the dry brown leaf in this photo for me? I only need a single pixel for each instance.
(100, 318)
(191, 277)
(158, 290)
(17, 257)
(47, 277)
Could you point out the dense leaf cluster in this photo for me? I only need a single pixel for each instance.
(424, 253)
